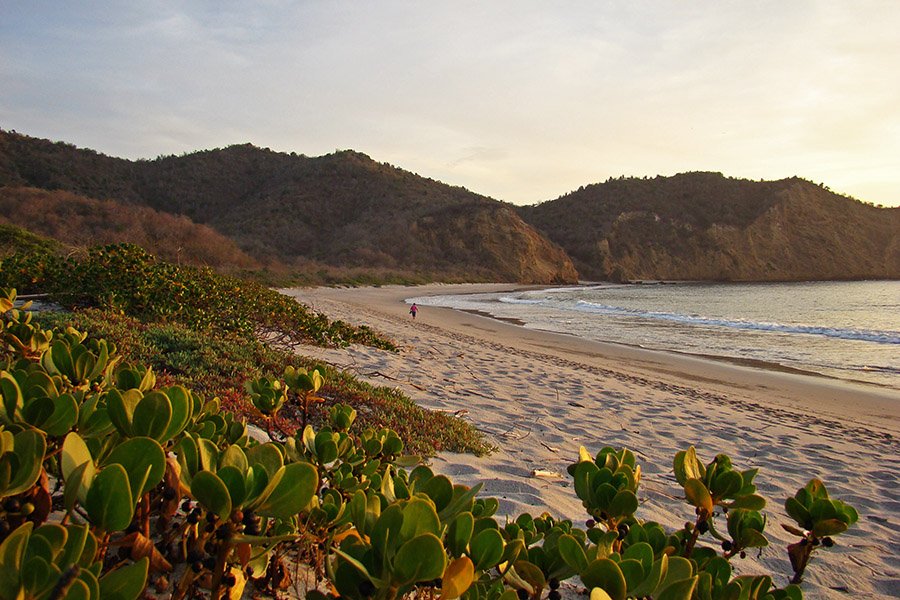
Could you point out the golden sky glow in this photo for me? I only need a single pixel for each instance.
(520, 101)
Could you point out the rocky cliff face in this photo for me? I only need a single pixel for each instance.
(706, 226)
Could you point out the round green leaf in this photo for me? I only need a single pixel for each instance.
(76, 538)
(680, 568)
(63, 417)
(211, 492)
(530, 573)
(698, 495)
(37, 410)
(798, 512)
(234, 481)
(847, 513)
(109, 502)
(486, 549)
(181, 404)
(125, 583)
(78, 483)
(419, 516)
(120, 408)
(74, 454)
(326, 450)
(572, 553)
(686, 466)
(829, 527)
(750, 502)
(55, 535)
(642, 552)
(624, 504)
(36, 574)
(80, 590)
(727, 484)
(13, 399)
(30, 447)
(152, 416)
(751, 538)
(657, 573)
(144, 461)
(291, 493)
(393, 445)
(268, 456)
(208, 454)
(605, 574)
(633, 572)
(386, 532)
(90, 588)
(188, 455)
(679, 590)
(420, 559)
(459, 533)
(372, 446)
(440, 489)
(234, 457)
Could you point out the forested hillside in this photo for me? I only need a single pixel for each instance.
(710, 227)
(344, 214)
(343, 210)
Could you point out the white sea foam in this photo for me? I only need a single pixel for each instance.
(879, 337)
(843, 329)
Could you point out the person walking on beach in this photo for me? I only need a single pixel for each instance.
(413, 310)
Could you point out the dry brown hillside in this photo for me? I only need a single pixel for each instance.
(710, 227)
(79, 221)
(343, 210)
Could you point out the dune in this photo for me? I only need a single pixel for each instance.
(539, 396)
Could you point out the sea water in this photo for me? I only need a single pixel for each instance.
(848, 330)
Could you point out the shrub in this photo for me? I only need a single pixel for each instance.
(126, 278)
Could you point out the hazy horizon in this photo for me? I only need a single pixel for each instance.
(519, 101)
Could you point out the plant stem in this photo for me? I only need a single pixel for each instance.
(219, 572)
(800, 560)
(145, 515)
(702, 517)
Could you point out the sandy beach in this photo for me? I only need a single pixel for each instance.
(538, 396)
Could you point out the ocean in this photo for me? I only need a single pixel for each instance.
(848, 330)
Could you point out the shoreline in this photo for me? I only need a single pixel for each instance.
(754, 363)
(786, 387)
(537, 396)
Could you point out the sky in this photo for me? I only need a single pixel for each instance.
(518, 100)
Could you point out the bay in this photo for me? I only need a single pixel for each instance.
(848, 330)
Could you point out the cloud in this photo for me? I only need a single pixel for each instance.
(519, 100)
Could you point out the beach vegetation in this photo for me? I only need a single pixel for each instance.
(212, 333)
(819, 519)
(113, 482)
(127, 279)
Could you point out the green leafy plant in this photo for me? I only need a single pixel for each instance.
(719, 485)
(819, 519)
(56, 561)
(125, 278)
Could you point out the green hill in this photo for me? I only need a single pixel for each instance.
(709, 227)
(343, 210)
(345, 213)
